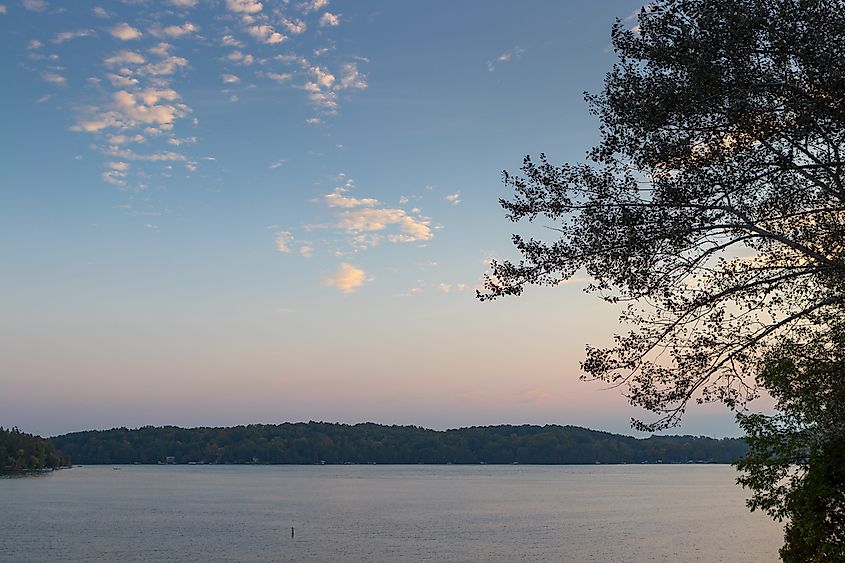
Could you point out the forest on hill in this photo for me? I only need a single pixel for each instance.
(331, 443)
(20, 451)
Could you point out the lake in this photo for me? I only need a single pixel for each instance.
(383, 513)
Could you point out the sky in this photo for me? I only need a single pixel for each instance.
(223, 212)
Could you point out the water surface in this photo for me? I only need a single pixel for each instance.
(383, 513)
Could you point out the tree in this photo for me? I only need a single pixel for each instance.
(713, 206)
(796, 459)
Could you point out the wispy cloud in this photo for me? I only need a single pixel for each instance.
(174, 31)
(35, 5)
(230, 41)
(338, 198)
(69, 35)
(125, 58)
(161, 156)
(116, 173)
(329, 19)
(131, 109)
(125, 32)
(283, 242)
(244, 6)
(324, 87)
(454, 199)
(312, 5)
(240, 58)
(278, 76)
(266, 34)
(366, 222)
(306, 250)
(53, 78)
(294, 26)
(511, 55)
(347, 278)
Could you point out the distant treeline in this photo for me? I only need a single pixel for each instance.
(319, 442)
(20, 451)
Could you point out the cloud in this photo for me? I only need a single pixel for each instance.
(454, 199)
(238, 57)
(277, 164)
(125, 58)
(278, 76)
(183, 3)
(230, 41)
(449, 287)
(116, 173)
(174, 30)
(347, 279)
(513, 54)
(283, 241)
(324, 78)
(68, 35)
(312, 5)
(53, 78)
(266, 34)
(142, 107)
(123, 139)
(114, 177)
(34, 44)
(100, 12)
(164, 156)
(351, 78)
(183, 141)
(244, 6)
(2, 9)
(169, 65)
(329, 19)
(306, 250)
(125, 32)
(294, 26)
(35, 5)
(338, 199)
(132, 109)
(366, 223)
(229, 78)
(368, 220)
(324, 88)
(121, 81)
(162, 49)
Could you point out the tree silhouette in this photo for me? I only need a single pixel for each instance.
(714, 208)
(714, 204)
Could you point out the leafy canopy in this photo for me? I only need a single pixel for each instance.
(796, 459)
(713, 206)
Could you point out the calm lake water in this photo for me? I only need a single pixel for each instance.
(383, 513)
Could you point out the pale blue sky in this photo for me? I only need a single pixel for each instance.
(231, 211)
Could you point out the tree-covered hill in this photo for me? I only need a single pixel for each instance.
(319, 442)
(20, 451)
